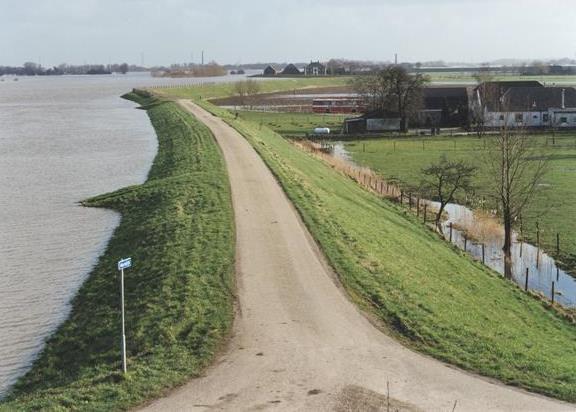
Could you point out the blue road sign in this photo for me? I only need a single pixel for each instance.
(124, 263)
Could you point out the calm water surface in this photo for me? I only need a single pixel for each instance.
(62, 139)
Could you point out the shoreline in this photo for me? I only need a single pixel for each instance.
(80, 361)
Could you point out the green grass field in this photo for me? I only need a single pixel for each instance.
(553, 207)
(430, 295)
(213, 90)
(295, 123)
(178, 228)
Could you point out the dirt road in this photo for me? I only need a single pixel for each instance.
(298, 343)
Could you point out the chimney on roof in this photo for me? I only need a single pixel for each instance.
(563, 98)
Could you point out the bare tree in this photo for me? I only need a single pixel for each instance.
(240, 91)
(444, 180)
(515, 168)
(246, 89)
(392, 89)
(485, 91)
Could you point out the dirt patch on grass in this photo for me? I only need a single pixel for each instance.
(358, 399)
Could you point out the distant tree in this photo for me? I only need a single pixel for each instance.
(240, 91)
(515, 169)
(485, 93)
(32, 69)
(444, 180)
(252, 87)
(246, 89)
(392, 89)
(123, 68)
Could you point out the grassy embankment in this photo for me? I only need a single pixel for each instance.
(553, 207)
(401, 159)
(178, 228)
(430, 295)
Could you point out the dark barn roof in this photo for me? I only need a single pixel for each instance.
(291, 69)
(538, 98)
(270, 71)
(444, 97)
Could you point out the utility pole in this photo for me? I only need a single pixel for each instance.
(123, 264)
(396, 59)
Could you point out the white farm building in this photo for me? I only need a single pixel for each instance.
(525, 104)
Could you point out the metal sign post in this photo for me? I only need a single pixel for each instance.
(123, 264)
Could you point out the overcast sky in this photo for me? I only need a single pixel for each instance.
(170, 31)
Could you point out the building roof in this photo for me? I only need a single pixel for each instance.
(270, 70)
(458, 92)
(291, 69)
(538, 98)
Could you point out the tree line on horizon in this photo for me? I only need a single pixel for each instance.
(35, 69)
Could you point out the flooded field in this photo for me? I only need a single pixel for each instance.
(532, 268)
(62, 139)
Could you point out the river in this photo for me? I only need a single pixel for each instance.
(62, 139)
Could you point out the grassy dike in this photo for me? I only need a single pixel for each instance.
(178, 228)
(429, 295)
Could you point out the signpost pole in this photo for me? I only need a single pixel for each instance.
(123, 264)
(124, 369)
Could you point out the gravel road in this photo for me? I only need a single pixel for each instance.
(298, 343)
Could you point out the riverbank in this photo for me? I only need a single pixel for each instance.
(426, 293)
(178, 311)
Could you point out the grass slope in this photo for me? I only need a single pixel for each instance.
(402, 160)
(178, 228)
(432, 296)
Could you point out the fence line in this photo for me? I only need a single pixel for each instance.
(366, 178)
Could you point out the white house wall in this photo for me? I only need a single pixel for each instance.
(560, 118)
(564, 118)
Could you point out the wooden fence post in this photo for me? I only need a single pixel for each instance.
(451, 232)
(483, 254)
(557, 244)
(417, 207)
(553, 284)
(465, 242)
(526, 282)
(425, 209)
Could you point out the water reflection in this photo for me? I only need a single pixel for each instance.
(542, 269)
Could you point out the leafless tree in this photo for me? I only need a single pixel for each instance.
(240, 91)
(444, 180)
(485, 92)
(246, 89)
(392, 89)
(515, 169)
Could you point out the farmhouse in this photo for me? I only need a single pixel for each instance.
(528, 106)
(315, 69)
(270, 71)
(291, 69)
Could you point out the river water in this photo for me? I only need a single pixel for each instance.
(62, 139)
